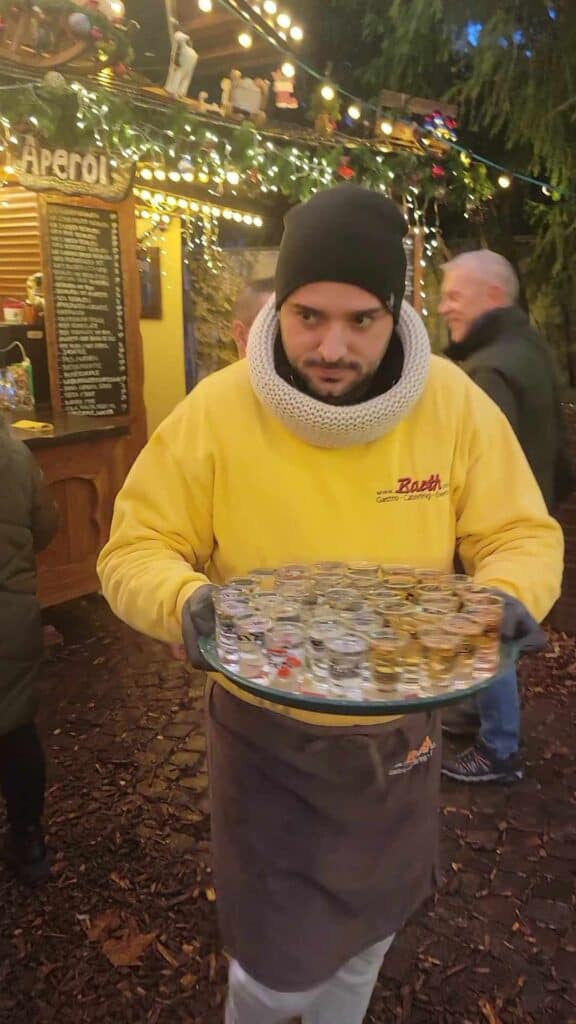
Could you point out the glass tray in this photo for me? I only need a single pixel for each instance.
(401, 704)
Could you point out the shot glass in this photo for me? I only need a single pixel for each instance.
(286, 654)
(344, 599)
(230, 614)
(363, 570)
(251, 636)
(347, 658)
(440, 654)
(364, 621)
(469, 629)
(490, 607)
(264, 579)
(444, 602)
(319, 569)
(387, 648)
(320, 630)
(294, 571)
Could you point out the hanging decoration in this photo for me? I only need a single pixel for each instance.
(183, 61)
(51, 33)
(170, 142)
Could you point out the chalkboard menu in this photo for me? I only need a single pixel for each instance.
(89, 309)
(409, 250)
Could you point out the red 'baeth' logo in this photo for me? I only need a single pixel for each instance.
(406, 485)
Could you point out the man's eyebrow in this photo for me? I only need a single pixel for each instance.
(352, 312)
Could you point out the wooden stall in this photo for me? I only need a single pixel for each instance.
(73, 223)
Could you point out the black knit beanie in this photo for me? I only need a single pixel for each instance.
(345, 234)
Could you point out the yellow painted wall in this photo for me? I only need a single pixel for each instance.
(163, 340)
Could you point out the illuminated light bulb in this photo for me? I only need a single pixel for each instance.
(174, 176)
(422, 263)
(203, 177)
(284, 20)
(270, 6)
(233, 178)
(216, 211)
(159, 174)
(354, 112)
(166, 218)
(296, 33)
(245, 40)
(146, 173)
(172, 201)
(195, 207)
(145, 214)
(248, 219)
(546, 191)
(386, 127)
(504, 181)
(117, 8)
(158, 197)
(183, 204)
(327, 93)
(188, 176)
(205, 6)
(146, 195)
(237, 217)
(258, 222)
(227, 214)
(288, 69)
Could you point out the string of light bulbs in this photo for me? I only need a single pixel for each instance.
(329, 92)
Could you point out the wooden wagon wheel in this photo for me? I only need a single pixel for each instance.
(18, 42)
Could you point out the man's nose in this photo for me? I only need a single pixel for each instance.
(333, 345)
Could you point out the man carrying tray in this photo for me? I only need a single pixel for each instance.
(339, 437)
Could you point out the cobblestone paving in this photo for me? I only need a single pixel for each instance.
(126, 931)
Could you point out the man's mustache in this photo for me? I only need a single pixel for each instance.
(321, 364)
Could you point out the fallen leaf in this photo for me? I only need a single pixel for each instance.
(188, 981)
(104, 925)
(488, 1011)
(211, 894)
(127, 951)
(123, 883)
(167, 955)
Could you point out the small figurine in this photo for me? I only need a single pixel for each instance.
(283, 87)
(245, 96)
(183, 61)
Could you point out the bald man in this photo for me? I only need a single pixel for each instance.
(246, 309)
(495, 343)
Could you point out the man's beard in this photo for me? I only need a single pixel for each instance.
(353, 393)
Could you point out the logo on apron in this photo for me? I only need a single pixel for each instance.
(421, 755)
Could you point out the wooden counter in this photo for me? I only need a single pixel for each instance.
(84, 462)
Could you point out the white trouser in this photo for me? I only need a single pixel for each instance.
(343, 999)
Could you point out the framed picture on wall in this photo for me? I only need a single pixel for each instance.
(150, 283)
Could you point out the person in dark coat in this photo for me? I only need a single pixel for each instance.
(28, 521)
(493, 340)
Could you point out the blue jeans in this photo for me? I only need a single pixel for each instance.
(499, 710)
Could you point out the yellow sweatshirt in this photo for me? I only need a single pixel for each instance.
(223, 487)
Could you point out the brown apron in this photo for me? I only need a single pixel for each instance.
(325, 839)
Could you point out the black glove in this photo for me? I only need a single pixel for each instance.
(198, 620)
(520, 627)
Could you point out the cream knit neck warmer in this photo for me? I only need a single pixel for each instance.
(337, 426)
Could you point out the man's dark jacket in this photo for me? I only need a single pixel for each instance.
(28, 520)
(505, 356)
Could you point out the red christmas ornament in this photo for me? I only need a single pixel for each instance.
(345, 171)
(120, 70)
(438, 171)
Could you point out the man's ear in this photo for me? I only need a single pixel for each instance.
(240, 335)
